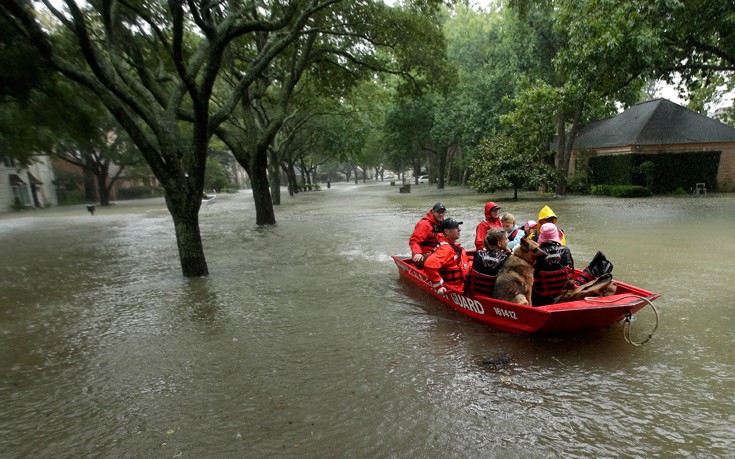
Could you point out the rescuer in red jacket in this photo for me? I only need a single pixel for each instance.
(423, 241)
(492, 220)
(448, 266)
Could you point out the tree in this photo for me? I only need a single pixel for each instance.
(503, 163)
(582, 82)
(621, 45)
(103, 148)
(349, 42)
(154, 64)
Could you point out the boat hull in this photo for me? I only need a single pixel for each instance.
(586, 314)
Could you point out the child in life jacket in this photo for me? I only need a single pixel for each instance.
(514, 232)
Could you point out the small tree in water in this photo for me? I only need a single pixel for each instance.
(501, 163)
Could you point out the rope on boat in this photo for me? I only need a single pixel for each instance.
(629, 316)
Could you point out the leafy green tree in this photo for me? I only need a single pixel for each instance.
(153, 64)
(408, 132)
(503, 163)
(215, 177)
(352, 41)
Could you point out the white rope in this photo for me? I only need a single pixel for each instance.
(628, 316)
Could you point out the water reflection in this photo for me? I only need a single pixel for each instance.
(303, 341)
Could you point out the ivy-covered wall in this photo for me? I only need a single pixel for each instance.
(670, 170)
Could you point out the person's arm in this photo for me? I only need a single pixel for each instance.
(433, 264)
(516, 240)
(480, 233)
(420, 232)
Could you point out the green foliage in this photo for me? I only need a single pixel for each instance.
(620, 191)
(70, 197)
(215, 176)
(612, 170)
(665, 171)
(648, 170)
(579, 183)
(679, 192)
(138, 192)
(501, 163)
(309, 187)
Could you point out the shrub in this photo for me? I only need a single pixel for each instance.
(679, 192)
(67, 198)
(135, 192)
(579, 183)
(647, 170)
(620, 191)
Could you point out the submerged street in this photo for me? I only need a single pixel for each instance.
(304, 342)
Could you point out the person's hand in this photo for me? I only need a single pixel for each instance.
(442, 291)
(418, 258)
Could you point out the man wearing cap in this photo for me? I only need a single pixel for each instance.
(423, 241)
(553, 274)
(492, 220)
(448, 266)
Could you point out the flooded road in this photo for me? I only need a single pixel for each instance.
(304, 342)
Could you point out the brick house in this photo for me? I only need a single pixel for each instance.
(658, 126)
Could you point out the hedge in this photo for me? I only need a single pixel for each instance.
(668, 172)
(620, 191)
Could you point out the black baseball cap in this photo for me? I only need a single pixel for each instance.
(438, 206)
(450, 223)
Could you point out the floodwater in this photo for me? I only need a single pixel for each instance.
(304, 341)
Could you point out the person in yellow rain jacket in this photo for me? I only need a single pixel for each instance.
(546, 215)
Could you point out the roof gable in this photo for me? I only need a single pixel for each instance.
(656, 122)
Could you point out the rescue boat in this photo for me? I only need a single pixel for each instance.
(585, 314)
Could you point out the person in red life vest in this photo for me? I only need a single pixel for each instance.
(448, 266)
(491, 258)
(515, 233)
(492, 220)
(554, 274)
(423, 241)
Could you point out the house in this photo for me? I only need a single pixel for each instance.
(31, 187)
(658, 126)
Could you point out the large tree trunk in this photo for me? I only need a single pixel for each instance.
(264, 214)
(565, 145)
(442, 167)
(90, 189)
(257, 169)
(102, 189)
(184, 209)
(275, 171)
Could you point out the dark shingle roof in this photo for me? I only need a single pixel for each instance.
(656, 122)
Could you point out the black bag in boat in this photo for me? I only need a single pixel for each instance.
(600, 265)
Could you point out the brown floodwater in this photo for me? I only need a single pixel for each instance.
(304, 341)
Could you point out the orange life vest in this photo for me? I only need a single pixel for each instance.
(453, 272)
(430, 243)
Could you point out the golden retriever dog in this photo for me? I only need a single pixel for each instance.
(515, 278)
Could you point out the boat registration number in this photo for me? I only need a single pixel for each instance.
(505, 313)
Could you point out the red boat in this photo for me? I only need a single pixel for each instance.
(585, 314)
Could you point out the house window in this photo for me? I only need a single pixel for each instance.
(9, 162)
(21, 194)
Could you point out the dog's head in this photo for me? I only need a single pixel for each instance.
(529, 250)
